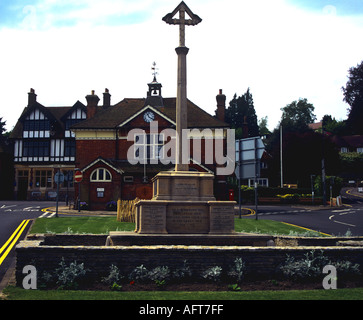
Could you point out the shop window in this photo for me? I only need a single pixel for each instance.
(101, 175)
(43, 178)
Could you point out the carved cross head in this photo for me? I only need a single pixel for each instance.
(182, 9)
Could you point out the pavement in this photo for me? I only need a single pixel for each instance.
(66, 210)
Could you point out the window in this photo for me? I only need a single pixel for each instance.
(262, 182)
(36, 125)
(101, 175)
(34, 148)
(343, 149)
(129, 179)
(68, 178)
(70, 148)
(43, 178)
(360, 150)
(148, 146)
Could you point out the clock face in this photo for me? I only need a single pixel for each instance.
(149, 116)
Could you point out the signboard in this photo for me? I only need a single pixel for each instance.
(248, 155)
(78, 177)
(59, 177)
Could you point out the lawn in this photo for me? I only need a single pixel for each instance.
(13, 293)
(103, 225)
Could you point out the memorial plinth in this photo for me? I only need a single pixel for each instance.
(183, 203)
(183, 185)
(184, 217)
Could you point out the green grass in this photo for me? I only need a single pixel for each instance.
(91, 225)
(103, 225)
(13, 293)
(268, 227)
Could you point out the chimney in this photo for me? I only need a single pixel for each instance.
(92, 102)
(32, 97)
(106, 99)
(245, 128)
(221, 106)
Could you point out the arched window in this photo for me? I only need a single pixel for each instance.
(101, 175)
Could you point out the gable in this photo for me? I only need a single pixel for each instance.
(104, 162)
(142, 118)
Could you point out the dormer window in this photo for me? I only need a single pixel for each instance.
(77, 116)
(36, 125)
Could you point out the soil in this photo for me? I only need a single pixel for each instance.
(272, 285)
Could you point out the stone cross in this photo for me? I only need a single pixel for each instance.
(181, 100)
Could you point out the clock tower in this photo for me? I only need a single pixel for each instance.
(154, 97)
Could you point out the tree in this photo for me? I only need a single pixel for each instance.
(2, 129)
(353, 95)
(241, 109)
(263, 126)
(334, 127)
(297, 116)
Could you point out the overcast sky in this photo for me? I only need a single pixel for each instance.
(282, 50)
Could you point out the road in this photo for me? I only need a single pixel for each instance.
(15, 219)
(333, 221)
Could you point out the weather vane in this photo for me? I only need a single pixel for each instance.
(155, 70)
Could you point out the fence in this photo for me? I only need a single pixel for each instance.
(126, 210)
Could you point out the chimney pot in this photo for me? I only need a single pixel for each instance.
(221, 105)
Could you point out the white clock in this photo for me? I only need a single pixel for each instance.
(149, 116)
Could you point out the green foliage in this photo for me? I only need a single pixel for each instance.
(116, 287)
(182, 272)
(353, 95)
(297, 115)
(140, 273)
(159, 275)
(241, 109)
(335, 182)
(238, 270)
(213, 273)
(312, 265)
(234, 287)
(68, 276)
(114, 276)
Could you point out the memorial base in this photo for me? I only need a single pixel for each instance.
(185, 217)
(183, 203)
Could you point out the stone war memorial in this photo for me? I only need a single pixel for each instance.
(183, 200)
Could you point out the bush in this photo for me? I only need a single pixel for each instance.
(238, 270)
(140, 273)
(213, 273)
(68, 276)
(183, 272)
(114, 276)
(111, 206)
(312, 265)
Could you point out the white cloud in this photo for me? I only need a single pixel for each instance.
(280, 52)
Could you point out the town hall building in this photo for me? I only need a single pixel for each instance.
(95, 139)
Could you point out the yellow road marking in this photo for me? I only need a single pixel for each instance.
(293, 225)
(22, 226)
(12, 236)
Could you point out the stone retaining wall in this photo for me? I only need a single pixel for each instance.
(262, 262)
